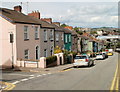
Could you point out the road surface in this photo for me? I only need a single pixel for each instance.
(101, 76)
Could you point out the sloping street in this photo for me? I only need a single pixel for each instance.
(97, 77)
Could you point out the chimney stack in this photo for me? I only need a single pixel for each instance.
(49, 20)
(18, 8)
(35, 14)
(69, 27)
(57, 23)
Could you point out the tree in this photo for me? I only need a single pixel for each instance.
(93, 32)
(76, 29)
(79, 32)
(64, 25)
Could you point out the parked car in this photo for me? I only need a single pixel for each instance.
(100, 56)
(106, 56)
(109, 53)
(83, 60)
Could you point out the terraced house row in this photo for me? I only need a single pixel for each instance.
(29, 37)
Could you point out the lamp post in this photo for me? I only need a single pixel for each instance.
(11, 41)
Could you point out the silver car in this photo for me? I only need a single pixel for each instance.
(83, 60)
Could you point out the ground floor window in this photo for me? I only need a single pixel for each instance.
(26, 54)
(51, 51)
(45, 52)
(37, 52)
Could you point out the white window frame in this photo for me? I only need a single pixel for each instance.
(45, 35)
(69, 38)
(36, 33)
(26, 33)
(26, 55)
(51, 35)
(66, 38)
(57, 36)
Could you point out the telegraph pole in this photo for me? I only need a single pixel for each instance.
(11, 41)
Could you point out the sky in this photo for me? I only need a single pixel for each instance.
(86, 14)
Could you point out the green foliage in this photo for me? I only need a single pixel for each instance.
(57, 50)
(66, 52)
(79, 32)
(64, 25)
(74, 54)
(93, 32)
(118, 45)
(76, 29)
(50, 60)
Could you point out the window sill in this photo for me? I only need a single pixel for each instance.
(51, 40)
(26, 39)
(36, 38)
(45, 41)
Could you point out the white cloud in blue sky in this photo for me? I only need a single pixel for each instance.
(83, 14)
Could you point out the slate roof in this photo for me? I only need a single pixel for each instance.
(18, 17)
(67, 31)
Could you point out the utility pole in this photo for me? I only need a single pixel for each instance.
(11, 41)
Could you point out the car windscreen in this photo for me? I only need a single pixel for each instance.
(99, 54)
(80, 57)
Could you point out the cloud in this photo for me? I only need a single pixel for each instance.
(92, 14)
(84, 14)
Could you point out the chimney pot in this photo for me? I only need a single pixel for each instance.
(35, 14)
(49, 20)
(18, 8)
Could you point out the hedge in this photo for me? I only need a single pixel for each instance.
(50, 60)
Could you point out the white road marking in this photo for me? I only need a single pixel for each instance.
(31, 77)
(15, 82)
(20, 74)
(24, 79)
(49, 73)
(43, 74)
(39, 75)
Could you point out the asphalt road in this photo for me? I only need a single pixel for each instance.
(97, 77)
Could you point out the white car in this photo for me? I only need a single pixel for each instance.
(83, 60)
(100, 56)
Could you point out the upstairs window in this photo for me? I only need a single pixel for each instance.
(45, 35)
(51, 35)
(36, 33)
(57, 36)
(69, 38)
(62, 36)
(26, 37)
(66, 39)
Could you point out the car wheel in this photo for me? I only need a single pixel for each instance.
(88, 64)
(93, 63)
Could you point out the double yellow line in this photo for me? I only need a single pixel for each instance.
(9, 86)
(115, 82)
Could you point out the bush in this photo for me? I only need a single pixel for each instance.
(57, 50)
(50, 60)
(74, 54)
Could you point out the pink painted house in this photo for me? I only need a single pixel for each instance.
(30, 37)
